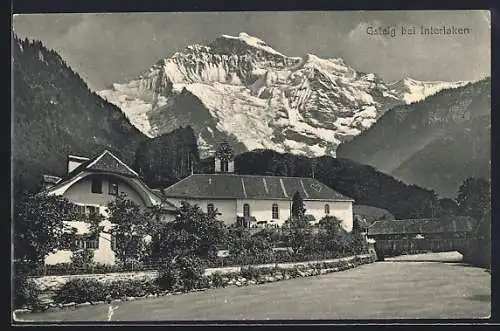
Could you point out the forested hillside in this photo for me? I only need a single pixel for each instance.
(166, 159)
(55, 114)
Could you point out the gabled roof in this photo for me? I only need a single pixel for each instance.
(107, 162)
(104, 162)
(232, 186)
(423, 226)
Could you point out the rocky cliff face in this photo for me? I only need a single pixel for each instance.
(241, 89)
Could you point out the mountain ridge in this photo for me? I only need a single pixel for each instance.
(55, 114)
(305, 105)
(429, 143)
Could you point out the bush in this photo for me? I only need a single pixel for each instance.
(217, 280)
(185, 273)
(26, 293)
(293, 272)
(169, 277)
(204, 282)
(81, 290)
(191, 271)
(309, 218)
(82, 258)
(115, 289)
(250, 272)
(135, 288)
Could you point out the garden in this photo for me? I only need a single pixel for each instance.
(179, 251)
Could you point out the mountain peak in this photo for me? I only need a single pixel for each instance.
(410, 80)
(253, 42)
(306, 105)
(412, 90)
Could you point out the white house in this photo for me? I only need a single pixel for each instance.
(267, 198)
(92, 184)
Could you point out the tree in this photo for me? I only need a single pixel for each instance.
(474, 197)
(300, 237)
(243, 245)
(448, 207)
(192, 233)
(39, 227)
(333, 237)
(130, 226)
(298, 209)
(224, 151)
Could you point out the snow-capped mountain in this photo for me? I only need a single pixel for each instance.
(241, 89)
(411, 90)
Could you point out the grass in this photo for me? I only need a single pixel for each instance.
(382, 290)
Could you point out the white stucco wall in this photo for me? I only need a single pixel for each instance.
(80, 192)
(262, 209)
(104, 254)
(227, 208)
(340, 209)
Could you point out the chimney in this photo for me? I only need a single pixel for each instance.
(74, 161)
(49, 181)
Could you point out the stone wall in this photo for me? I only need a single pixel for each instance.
(48, 284)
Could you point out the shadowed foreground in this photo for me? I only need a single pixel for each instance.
(379, 290)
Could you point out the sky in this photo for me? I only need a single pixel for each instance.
(116, 47)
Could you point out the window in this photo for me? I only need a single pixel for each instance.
(113, 188)
(92, 210)
(96, 186)
(86, 211)
(80, 210)
(84, 242)
(92, 242)
(275, 211)
(80, 243)
(224, 166)
(327, 209)
(210, 208)
(246, 210)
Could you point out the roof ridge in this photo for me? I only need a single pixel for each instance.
(249, 175)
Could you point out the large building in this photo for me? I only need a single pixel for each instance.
(92, 184)
(264, 199)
